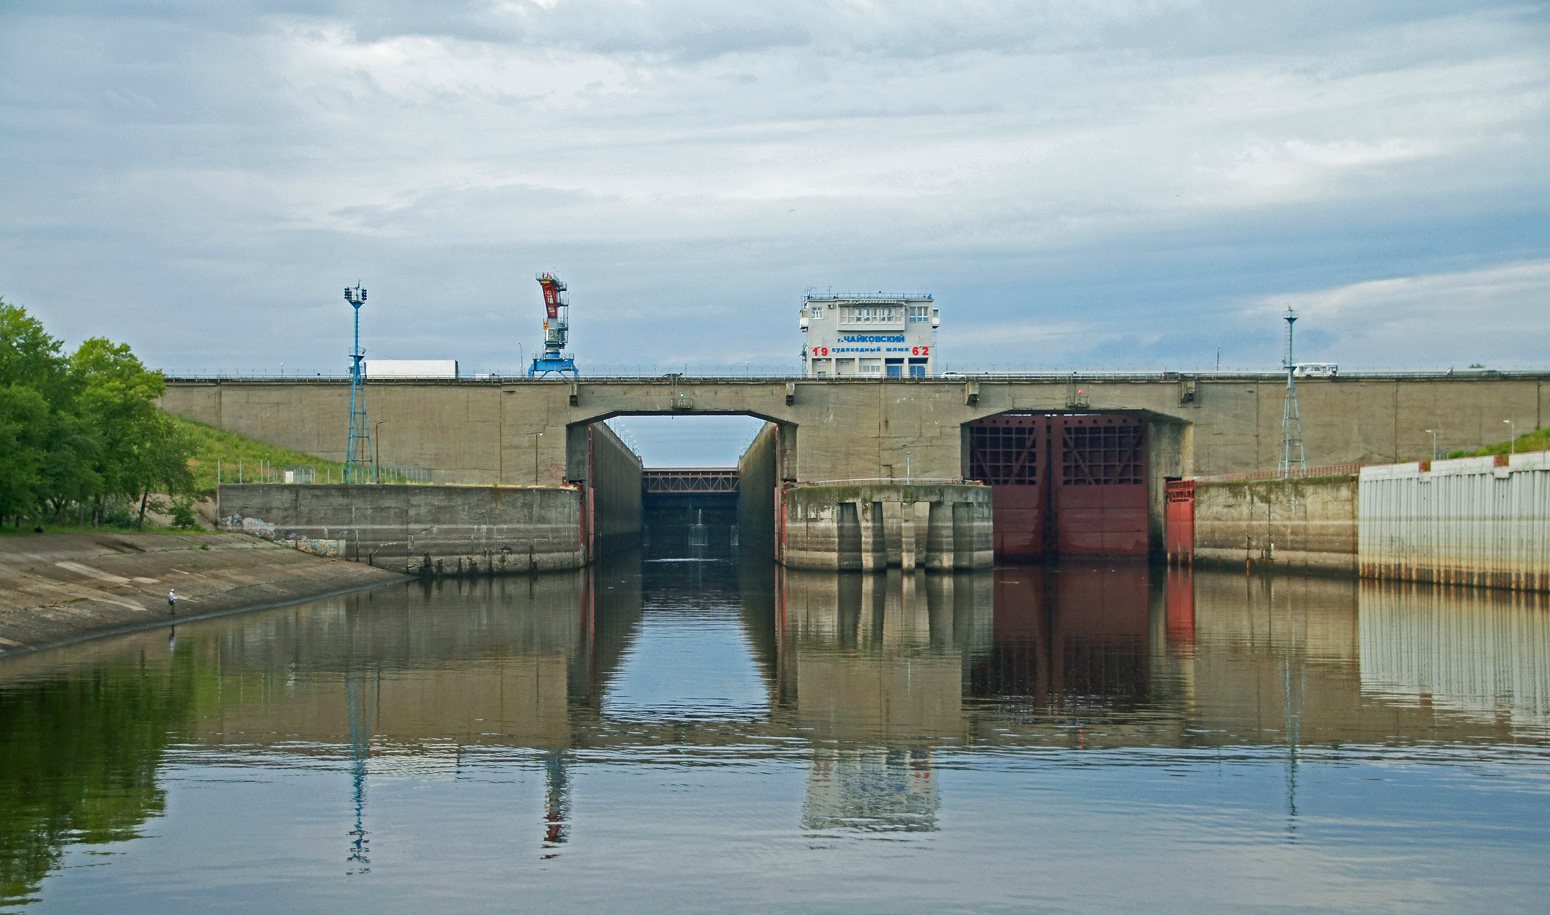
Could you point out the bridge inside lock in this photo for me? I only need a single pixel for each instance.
(689, 513)
(1063, 484)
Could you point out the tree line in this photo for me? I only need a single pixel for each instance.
(81, 436)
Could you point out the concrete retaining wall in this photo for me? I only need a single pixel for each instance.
(756, 482)
(613, 484)
(1472, 521)
(1307, 524)
(882, 525)
(450, 530)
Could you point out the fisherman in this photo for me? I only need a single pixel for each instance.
(172, 601)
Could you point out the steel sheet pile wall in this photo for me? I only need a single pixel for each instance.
(1474, 521)
(1476, 653)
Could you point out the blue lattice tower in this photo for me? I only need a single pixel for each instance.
(1292, 452)
(357, 452)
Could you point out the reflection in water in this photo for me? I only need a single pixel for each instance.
(870, 789)
(875, 685)
(1489, 663)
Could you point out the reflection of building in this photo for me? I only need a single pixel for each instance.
(879, 658)
(1479, 652)
(872, 789)
(877, 336)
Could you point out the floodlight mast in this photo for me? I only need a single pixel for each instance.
(1293, 456)
(556, 330)
(357, 452)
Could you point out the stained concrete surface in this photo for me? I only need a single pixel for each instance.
(58, 588)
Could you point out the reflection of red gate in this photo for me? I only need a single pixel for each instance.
(1068, 484)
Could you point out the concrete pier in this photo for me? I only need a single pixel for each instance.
(869, 526)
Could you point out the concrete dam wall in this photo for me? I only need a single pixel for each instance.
(421, 530)
(1306, 524)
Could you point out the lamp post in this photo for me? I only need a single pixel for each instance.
(377, 448)
(357, 452)
(1434, 443)
(1512, 445)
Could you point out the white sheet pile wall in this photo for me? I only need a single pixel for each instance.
(1473, 521)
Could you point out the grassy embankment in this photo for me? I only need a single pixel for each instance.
(235, 456)
(1538, 440)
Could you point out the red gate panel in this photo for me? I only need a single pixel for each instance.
(1007, 453)
(1076, 484)
(1100, 498)
(1179, 521)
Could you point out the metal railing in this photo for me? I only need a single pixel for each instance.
(894, 481)
(1296, 473)
(243, 473)
(953, 375)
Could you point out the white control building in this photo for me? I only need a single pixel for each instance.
(870, 336)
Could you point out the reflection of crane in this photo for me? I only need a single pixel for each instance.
(556, 799)
(556, 330)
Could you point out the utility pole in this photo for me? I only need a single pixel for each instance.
(357, 453)
(1292, 451)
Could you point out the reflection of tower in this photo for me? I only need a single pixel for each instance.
(556, 798)
(872, 789)
(360, 749)
(1291, 421)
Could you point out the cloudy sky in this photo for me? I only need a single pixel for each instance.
(1079, 183)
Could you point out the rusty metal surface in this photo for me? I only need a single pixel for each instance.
(1179, 521)
(1473, 521)
(1067, 484)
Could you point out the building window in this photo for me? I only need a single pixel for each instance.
(919, 313)
(869, 314)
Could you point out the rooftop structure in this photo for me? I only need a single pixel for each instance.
(878, 336)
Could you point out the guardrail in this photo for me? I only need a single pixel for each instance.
(955, 377)
(1296, 473)
(893, 481)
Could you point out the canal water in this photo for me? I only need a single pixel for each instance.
(654, 736)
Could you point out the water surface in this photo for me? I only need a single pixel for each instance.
(702, 736)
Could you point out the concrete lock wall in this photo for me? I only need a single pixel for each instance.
(877, 526)
(757, 480)
(417, 529)
(1472, 521)
(613, 490)
(1308, 524)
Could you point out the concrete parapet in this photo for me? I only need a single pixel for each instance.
(865, 526)
(1307, 524)
(421, 530)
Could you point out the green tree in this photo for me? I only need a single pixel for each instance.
(37, 397)
(24, 417)
(141, 450)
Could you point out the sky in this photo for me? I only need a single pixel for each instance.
(1079, 184)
